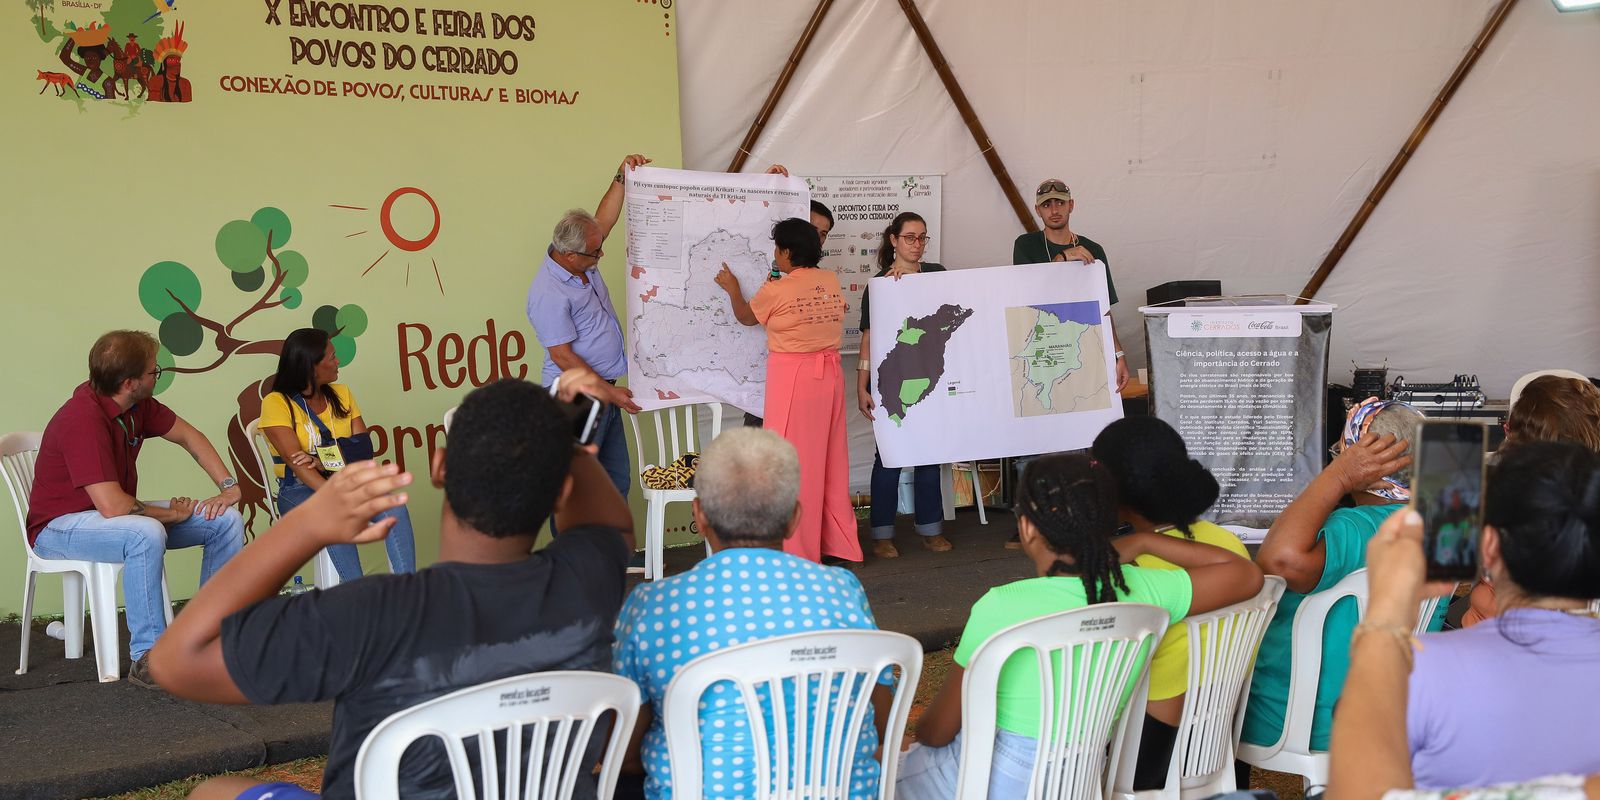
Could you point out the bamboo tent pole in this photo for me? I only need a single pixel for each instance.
(778, 88)
(1468, 61)
(968, 115)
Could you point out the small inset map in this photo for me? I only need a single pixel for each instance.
(916, 362)
(1057, 359)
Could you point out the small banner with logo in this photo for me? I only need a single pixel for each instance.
(862, 206)
(1244, 382)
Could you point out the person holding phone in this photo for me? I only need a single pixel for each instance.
(1513, 698)
(314, 420)
(899, 253)
(1371, 757)
(1314, 544)
(803, 312)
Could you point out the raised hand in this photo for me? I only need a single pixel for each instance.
(1369, 460)
(341, 511)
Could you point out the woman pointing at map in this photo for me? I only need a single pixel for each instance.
(899, 253)
(803, 312)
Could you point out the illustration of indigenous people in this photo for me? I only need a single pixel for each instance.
(168, 85)
(90, 44)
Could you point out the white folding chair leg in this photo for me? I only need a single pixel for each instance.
(28, 585)
(322, 572)
(74, 588)
(977, 496)
(103, 621)
(166, 596)
(654, 531)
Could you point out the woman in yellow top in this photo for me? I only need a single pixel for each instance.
(304, 415)
(1161, 490)
(802, 308)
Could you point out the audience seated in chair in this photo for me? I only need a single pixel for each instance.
(747, 503)
(1067, 517)
(490, 608)
(1514, 697)
(1555, 406)
(310, 418)
(1161, 490)
(1381, 700)
(85, 499)
(1314, 544)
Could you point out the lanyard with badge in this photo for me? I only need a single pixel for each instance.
(323, 444)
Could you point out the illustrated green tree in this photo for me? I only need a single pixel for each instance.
(270, 277)
(39, 7)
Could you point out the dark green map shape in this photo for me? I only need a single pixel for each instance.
(916, 362)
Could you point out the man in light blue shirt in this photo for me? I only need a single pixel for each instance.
(748, 484)
(573, 317)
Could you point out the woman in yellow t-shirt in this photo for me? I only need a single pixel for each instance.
(302, 416)
(1161, 490)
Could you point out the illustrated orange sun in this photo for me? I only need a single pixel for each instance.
(416, 213)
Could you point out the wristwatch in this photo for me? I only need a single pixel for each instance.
(227, 483)
(1120, 354)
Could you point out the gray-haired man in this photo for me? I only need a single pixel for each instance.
(572, 315)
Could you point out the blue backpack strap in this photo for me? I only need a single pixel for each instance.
(322, 428)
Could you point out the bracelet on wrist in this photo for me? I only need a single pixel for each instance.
(1121, 354)
(1406, 639)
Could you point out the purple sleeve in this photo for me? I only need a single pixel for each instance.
(551, 315)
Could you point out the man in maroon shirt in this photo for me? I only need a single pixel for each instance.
(84, 503)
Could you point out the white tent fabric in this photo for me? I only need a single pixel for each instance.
(1228, 139)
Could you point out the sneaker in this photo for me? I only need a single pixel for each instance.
(139, 673)
(937, 543)
(884, 548)
(1015, 542)
(835, 561)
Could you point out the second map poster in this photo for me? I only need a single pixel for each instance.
(684, 344)
(994, 362)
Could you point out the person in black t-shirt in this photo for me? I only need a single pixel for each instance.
(490, 608)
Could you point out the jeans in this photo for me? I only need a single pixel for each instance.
(930, 773)
(929, 501)
(141, 545)
(346, 559)
(614, 456)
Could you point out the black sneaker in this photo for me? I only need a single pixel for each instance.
(139, 674)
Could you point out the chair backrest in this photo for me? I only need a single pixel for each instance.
(559, 711)
(676, 430)
(269, 477)
(449, 416)
(1305, 669)
(819, 690)
(18, 451)
(1103, 650)
(1222, 651)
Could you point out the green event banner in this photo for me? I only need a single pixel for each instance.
(220, 173)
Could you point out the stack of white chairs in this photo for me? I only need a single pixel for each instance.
(677, 431)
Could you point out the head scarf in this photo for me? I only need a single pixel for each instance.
(1355, 426)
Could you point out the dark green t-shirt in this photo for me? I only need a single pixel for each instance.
(1033, 248)
(866, 315)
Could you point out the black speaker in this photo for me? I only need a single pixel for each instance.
(1180, 290)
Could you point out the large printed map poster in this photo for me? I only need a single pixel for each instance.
(987, 363)
(684, 344)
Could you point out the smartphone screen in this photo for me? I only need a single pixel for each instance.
(1447, 476)
(586, 413)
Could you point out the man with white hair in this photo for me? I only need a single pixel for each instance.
(747, 485)
(572, 315)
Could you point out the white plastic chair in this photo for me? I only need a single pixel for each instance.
(449, 417)
(94, 580)
(1103, 650)
(323, 574)
(1222, 651)
(562, 710)
(1292, 752)
(947, 482)
(830, 676)
(677, 431)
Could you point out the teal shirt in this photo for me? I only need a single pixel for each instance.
(1345, 534)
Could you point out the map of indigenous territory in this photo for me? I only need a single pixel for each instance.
(684, 344)
(1049, 371)
(988, 363)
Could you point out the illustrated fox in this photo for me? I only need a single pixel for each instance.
(61, 80)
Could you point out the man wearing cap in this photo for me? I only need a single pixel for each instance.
(1057, 242)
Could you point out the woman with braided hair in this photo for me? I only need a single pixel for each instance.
(1161, 490)
(1067, 521)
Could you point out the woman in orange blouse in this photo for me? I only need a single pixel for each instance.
(803, 311)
